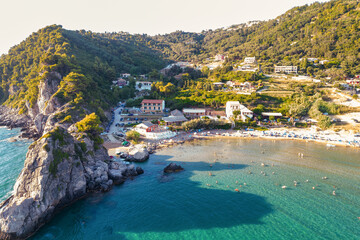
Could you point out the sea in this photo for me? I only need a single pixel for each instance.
(229, 189)
(12, 157)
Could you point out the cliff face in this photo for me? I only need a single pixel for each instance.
(34, 122)
(60, 167)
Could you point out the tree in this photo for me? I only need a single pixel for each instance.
(133, 136)
(90, 124)
(236, 113)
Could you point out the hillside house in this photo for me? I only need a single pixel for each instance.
(250, 60)
(218, 85)
(286, 69)
(219, 57)
(125, 75)
(141, 86)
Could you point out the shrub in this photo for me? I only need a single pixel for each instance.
(205, 123)
(133, 136)
(59, 156)
(90, 124)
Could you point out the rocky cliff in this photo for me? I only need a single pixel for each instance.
(60, 167)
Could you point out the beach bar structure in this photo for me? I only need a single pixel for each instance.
(174, 120)
(145, 127)
(271, 114)
(194, 112)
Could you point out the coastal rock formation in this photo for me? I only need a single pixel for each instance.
(60, 167)
(138, 153)
(172, 167)
(11, 119)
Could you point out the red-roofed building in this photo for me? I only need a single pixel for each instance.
(152, 105)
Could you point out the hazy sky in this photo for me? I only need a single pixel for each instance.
(19, 18)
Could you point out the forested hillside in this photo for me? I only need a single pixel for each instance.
(328, 31)
(83, 65)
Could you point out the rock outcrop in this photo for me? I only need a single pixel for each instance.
(172, 167)
(138, 153)
(60, 167)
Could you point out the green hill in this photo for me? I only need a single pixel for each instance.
(82, 64)
(328, 31)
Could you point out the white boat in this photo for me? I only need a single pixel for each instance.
(330, 145)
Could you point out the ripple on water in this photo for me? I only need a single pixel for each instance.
(195, 205)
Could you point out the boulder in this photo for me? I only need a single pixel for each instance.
(172, 167)
(116, 176)
(139, 170)
(138, 154)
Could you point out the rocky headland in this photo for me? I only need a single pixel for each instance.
(62, 165)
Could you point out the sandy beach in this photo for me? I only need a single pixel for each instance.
(328, 138)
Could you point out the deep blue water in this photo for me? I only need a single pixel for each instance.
(194, 205)
(191, 205)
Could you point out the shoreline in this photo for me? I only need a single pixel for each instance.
(187, 137)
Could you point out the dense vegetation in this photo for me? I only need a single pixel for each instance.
(83, 64)
(328, 31)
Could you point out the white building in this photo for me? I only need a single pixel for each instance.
(219, 57)
(125, 75)
(312, 59)
(232, 106)
(140, 85)
(250, 60)
(322, 62)
(194, 112)
(286, 69)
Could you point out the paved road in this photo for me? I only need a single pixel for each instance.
(113, 128)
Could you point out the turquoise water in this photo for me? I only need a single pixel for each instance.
(12, 156)
(190, 205)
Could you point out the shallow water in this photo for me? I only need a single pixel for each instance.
(12, 157)
(190, 205)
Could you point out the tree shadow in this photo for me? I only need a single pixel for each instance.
(176, 205)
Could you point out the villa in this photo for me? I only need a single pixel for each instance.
(250, 60)
(232, 106)
(141, 86)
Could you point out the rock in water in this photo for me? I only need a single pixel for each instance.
(138, 154)
(172, 167)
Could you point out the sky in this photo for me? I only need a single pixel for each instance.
(20, 18)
